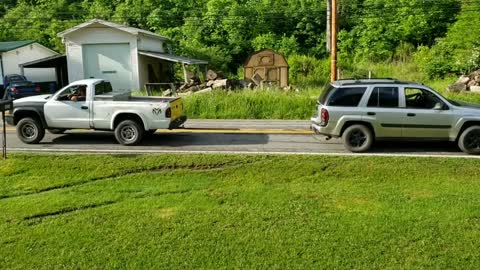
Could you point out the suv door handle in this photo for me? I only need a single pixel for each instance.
(411, 114)
(84, 107)
(371, 113)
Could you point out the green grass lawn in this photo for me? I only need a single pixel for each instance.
(254, 212)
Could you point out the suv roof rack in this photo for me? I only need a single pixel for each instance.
(356, 81)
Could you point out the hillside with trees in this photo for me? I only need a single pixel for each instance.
(439, 36)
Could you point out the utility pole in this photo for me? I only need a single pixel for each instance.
(333, 65)
(329, 26)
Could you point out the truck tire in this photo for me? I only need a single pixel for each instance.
(30, 130)
(357, 138)
(469, 141)
(57, 130)
(129, 132)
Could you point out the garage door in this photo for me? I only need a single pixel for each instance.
(109, 61)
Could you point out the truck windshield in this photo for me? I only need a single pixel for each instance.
(326, 91)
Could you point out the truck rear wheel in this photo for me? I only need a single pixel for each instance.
(30, 130)
(129, 132)
(469, 141)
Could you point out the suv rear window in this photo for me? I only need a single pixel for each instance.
(347, 97)
(323, 97)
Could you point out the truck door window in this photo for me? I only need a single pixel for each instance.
(70, 92)
(384, 97)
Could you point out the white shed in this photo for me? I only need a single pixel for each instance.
(126, 56)
(15, 53)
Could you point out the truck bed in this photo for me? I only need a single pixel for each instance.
(128, 97)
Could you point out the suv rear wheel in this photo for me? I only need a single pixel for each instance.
(129, 132)
(469, 141)
(30, 130)
(357, 138)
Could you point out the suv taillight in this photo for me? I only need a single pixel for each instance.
(37, 88)
(324, 117)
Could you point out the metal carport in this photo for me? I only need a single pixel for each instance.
(178, 59)
(59, 62)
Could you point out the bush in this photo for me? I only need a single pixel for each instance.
(436, 62)
(308, 71)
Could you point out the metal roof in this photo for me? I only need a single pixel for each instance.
(51, 61)
(174, 58)
(128, 29)
(12, 45)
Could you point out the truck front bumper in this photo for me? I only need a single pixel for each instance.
(9, 119)
(177, 122)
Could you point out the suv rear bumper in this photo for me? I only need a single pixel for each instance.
(319, 130)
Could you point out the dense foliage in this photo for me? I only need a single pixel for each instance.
(442, 34)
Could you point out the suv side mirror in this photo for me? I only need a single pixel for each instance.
(438, 106)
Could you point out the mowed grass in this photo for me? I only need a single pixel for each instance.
(231, 211)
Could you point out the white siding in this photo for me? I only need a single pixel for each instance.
(150, 44)
(12, 60)
(98, 34)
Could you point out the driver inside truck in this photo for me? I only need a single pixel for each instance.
(80, 94)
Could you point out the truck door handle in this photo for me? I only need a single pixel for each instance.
(84, 107)
(411, 114)
(371, 113)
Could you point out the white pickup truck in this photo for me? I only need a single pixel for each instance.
(96, 108)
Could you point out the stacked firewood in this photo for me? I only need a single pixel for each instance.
(215, 80)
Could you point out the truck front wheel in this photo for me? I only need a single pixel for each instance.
(129, 132)
(30, 130)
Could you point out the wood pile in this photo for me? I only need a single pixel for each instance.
(215, 80)
(469, 82)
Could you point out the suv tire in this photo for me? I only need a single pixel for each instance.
(30, 130)
(357, 138)
(129, 132)
(469, 141)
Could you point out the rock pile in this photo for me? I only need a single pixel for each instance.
(469, 82)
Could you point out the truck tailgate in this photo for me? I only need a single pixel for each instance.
(177, 108)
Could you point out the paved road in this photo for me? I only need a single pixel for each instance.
(232, 136)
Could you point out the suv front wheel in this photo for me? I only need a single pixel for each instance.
(469, 141)
(357, 138)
